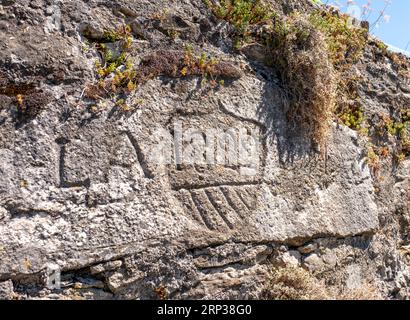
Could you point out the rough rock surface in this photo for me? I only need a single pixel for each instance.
(86, 194)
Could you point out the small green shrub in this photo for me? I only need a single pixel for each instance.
(352, 117)
(345, 42)
(111, 62)
(381, 45)
(373, 159)
(398, 130)
(242, 14)
(203, 65)
(178, 63)
(116, 73)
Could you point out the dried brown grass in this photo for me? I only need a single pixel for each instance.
(300, 52)
(295, 283)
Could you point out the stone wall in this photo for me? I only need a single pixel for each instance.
(86, 197)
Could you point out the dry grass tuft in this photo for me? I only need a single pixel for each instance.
(295, 283)
(365, 292)
(300, 53)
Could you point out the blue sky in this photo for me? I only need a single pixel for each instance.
(395, 32)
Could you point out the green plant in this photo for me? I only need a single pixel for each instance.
(352, 117)
(121, 34)
(173, 34)
(373, 159)
(121, 103)
(116, 72)
(242, 14)
(381, 45)
(113, 61)
(400, 157)
(398, 130)
(345, 41)
(118, 77)
(202, 64)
